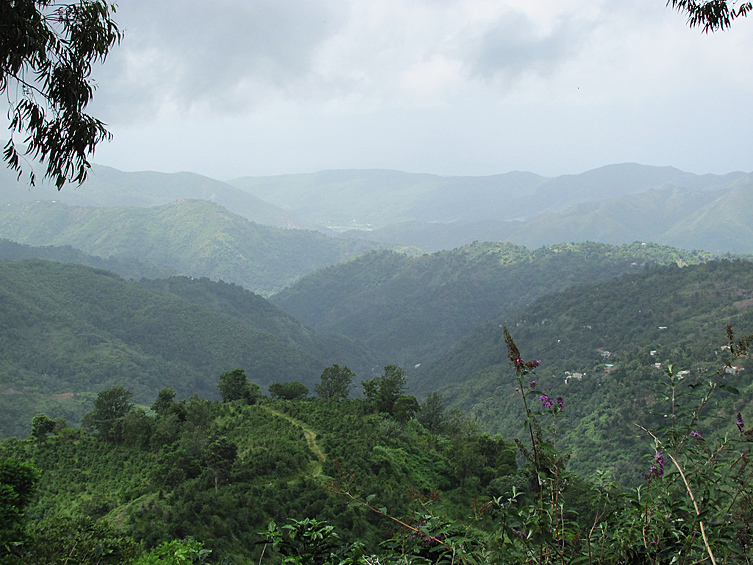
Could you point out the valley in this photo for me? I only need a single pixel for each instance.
(115, 291)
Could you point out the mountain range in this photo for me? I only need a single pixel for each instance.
(190, 237)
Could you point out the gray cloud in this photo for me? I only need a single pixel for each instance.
(218, 56)
(513, 45)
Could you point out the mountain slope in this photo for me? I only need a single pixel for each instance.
(599, 345)
(71, 329)
(409, 310)
(670, 214)
(126, 268)
(376, 198)
(191, 237)
(108, 187)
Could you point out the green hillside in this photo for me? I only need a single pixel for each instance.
(107, 187)
(219, 472)
(126, 268)
(69, 331)
(609, 336)
(410, 310)
(191, 237)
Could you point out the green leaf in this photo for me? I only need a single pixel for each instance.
(730, 389)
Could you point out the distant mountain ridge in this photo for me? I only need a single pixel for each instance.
(716, 219)
(377, 198)
(615, 204)
(106, 187)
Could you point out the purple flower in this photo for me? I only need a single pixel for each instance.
(659, 458)
(533, 364)
(533, 384)
(695, 434)
(740, 422)
(517, 389)
(560, 402)
(520, 533)
(546, 402)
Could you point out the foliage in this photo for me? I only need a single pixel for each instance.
(289, 391)
(234, 386)
(711, 15)
(110, 409)
(385, 390)
(336, 382)
(175, 552)
(694, 504)
(17, 485)
(80, 541)
(42, 425)
(47, 51)
(600, 345)
(304, 542)
(70, 331)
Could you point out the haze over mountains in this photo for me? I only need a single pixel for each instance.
(349, 295)
(613, 204)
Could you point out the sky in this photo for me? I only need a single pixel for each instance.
(230, 88)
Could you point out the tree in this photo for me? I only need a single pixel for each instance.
(164, 402)
(336, 382)
(289, 391)
(111, 407)
(234, 385)
(431, 415)
(711, 15)
(220, 458)
(383, 391)
(17, 484)
(41, 425)
(47, 49)
(405, 408)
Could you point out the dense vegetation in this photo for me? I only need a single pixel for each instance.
(69, 331)
(190, 237)
(409, 310)
(126, 268)
(602, 347)
(326, 481)
(219, 471)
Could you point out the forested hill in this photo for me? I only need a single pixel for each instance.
(190, 237)
(126, 268)
(377, 198)
(669, 214)
(599, 346)
(69, 331)
(411, 309)
(106, 187)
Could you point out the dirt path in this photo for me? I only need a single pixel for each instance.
(310, 436)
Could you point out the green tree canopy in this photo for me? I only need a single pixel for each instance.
(234, 385)
(111, 407)
(336, 382)
(42, 425)
(47, 49)
(289, 391)
(17, 483)
(383, 391)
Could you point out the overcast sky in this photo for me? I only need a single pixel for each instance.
(230, 88)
